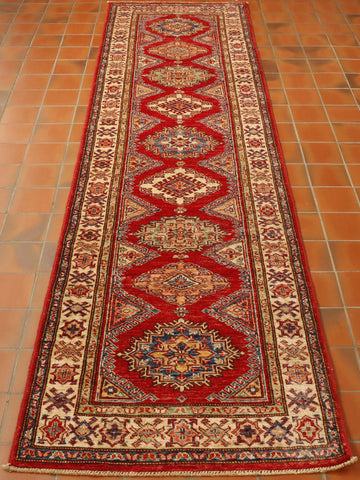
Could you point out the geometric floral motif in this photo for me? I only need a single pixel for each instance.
(177, 50)
(179, 106)
(181, 354)
(248, 432)
(180, 142)
(179, 76)
(179, 186)
(177, 27)
(180, 283)
(308, 429)
(180, 234)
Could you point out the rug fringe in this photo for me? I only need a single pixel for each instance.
(11, 468)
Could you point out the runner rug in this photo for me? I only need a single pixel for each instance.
(179, 333)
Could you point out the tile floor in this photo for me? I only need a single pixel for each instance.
(311, 58)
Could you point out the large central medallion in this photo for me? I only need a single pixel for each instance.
(180, 283)
(177, 50)
(179, 186)
(177, 27)
(180, 234)
(180, 142)
(181, 354)
(179, 106)
(179, 76)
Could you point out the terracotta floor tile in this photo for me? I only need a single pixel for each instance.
(39, 176)
(293, 65)
(327, 17)
(7, 81)
(11, 323)
(291, 152)
(303, 96)
(21, 373)
(31, 82)
(20, 134)
(285, 39)
(334, 175)
(300, 17)
(273, 79)
(16, 115)
(48, 28)
(24, 227)
(354, 317)
(42, 53)
(350, 402)
(286, 132)
(7, 362)
(61, 97)
(79, 28)
(288, 51)
(12, 153)
(347, 52)
(350, 66)
(77, 131)
(69, 67)
(40, 289)
(343, 113)
(19, 258)
(277, 96)
(310, 225)
(297, 174)
(354, 172)
(337, 199)
(318, 256)
(317, 132)
(37, 66)
(319, 52)
(56, 133)
(325, 65)
(349, 282)
(69, 53)
(337, 96)
(346, 369)
(308, 113)
(353, 79)
(335, 80)
(341, 39)
(351, 152)
(16, 40)
(9, 174)
(297, 80)
(313, 28)
(282, 113)
(56, 114)
(337, 331)
(48, 256)
(326, 289)
(32, 200)
(55, 228)
(304, 199)
(321, 152)
(342, 226)
(45, 153)
(65, 82)
(26, 97)
(5, 195)
(347, 132)
(8, 427)
(47, 40)
(311, 40)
